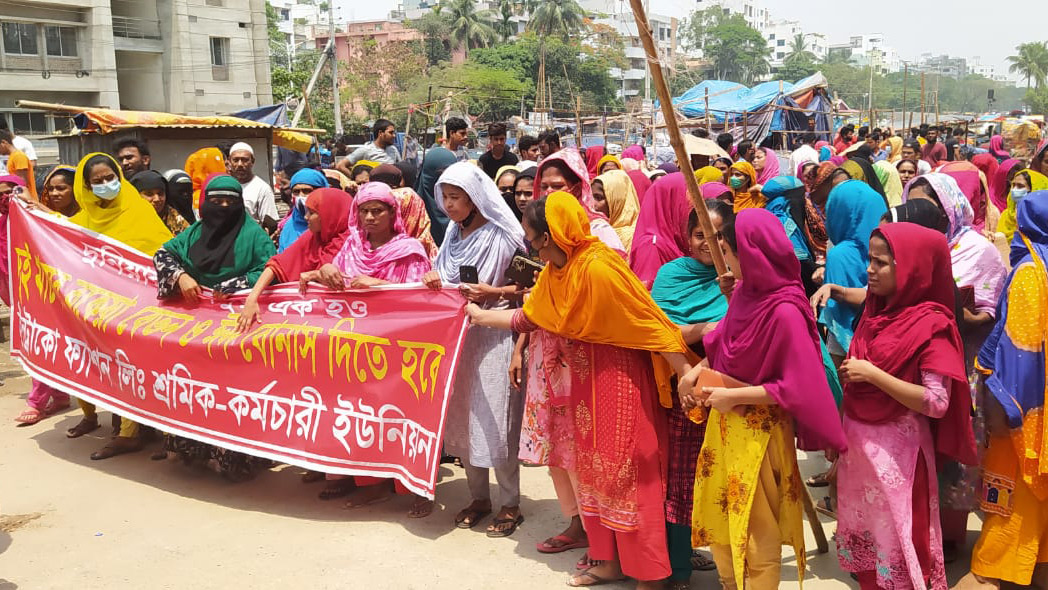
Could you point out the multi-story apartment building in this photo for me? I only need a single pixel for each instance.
(196, 57)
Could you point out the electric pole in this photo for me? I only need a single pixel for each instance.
(334, 68)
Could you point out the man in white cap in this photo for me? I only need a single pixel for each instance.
(258, 195)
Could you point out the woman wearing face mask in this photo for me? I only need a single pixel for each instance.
(483, 416)
(1023, 183)
(180, 193)
(153, 188)
(225, 251)
(303, 182)
(505, 178)
(743, 182)
(109, 205)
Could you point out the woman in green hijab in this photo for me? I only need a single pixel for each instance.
(226, 250)
(433, 165)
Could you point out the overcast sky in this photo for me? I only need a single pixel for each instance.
(975, 28)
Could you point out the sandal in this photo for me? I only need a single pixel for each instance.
(825, 506)
(29, 416)
(818, 481)
(421, 508)
(494, 532)
(312, 477)
(585, 562)
(567, 543)
(574, 581)
(469, 517)
(160, 455)
(83, 427)
(369, 498)
(338, 488)
(701, 563)
(118, 446)
(679, 585)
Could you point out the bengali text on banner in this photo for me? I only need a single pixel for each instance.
(351, 383)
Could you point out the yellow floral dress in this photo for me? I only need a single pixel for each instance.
(730, 469)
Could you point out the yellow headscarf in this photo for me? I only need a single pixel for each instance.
(595, 297)
(504, 170)
(708, 174)
(1008, 224)
(888, 174)
(854, 170)
(744, 199)
(623, 204)
(608, 158)
(896, 145)
(128, 218)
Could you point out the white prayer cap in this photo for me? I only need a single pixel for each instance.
(241, 146)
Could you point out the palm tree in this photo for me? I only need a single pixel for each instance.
(556, 18)
(504, 25)
(799, 50)
(470, 28)
(1031, 62)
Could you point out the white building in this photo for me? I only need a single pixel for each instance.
(755, 13)
(296, 19)
(664, 32)
(865, 50)
(780, 35)
(195, 57)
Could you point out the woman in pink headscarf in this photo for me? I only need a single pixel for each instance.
(565, 171)
(661, 232)
(593, 155)
(767, 165)
(997, 148)
(973, 184)
(634, 151)
(1001, 182)
(641, 182)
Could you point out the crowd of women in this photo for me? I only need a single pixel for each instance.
(891, 315)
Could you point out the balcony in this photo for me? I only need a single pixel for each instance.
(137, 34)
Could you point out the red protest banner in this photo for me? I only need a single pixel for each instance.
(354, 383)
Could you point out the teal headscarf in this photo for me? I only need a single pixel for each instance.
(226, 242)
(853, 211)
(434, 163)
(688, 292)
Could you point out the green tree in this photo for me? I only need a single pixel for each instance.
(469, 28)
(504, 25)
(376, 76)
(799, 51)
(695, 30)
(1037, 100)
(490, 94)
(738, 51)
(796, 69)
(435, 27)
(556, 18)
(1030, 62)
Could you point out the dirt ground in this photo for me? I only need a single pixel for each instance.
(68, 522)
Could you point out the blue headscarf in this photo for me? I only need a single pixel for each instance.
(688, 292)
(296, 224)
(1018, 379)
(776, 191)
(825, 153)
(853, 211)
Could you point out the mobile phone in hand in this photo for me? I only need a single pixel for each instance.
(468, 274)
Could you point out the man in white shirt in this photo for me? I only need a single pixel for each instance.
(21, 144)
(258, 195)
(380, 150)
(805, 153)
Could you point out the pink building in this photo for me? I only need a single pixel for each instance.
(381, 31)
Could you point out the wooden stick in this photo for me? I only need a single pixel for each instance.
(816, 524)
(709, 128)
(683, 160)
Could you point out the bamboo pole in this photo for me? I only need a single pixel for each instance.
(683, 160)
(905, 79)
(709, 125)
(922, 98)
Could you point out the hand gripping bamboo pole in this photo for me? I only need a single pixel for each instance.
(683, 161)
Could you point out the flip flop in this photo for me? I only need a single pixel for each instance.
(338, 488)
(597, 580)
(701, 563)
(513, 522)
(825, 506)
(416, 512)
(568, 544)
(817, 481)
(117, 446)
(29, 416)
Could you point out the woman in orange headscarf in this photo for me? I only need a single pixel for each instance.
(583, 282)
(742, 178)
(200, 165)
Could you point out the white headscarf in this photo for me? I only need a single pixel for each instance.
(491, 247)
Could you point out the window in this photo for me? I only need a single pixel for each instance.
(780, 43)
(285, 14)
(20, 39)
(29, 123)
(219, 51)
(213, 2)
(61, 41)
(772, 36)
(780, 55)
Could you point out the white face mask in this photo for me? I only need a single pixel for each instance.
(300, 202)
(107, 190)
(1018, 194)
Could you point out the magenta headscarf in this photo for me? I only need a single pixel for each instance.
(997, 148)
(641, 182)
(634, 151)
(593, 155)
(768, 336)
(5, 203)
(714, 190)
(573, 160)
(999, 187)
(772, 166)
(662, 227)
(988, 165)
(403, 259)
(819, 144)
(971, 184)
